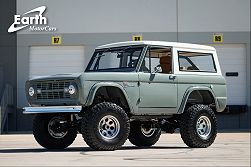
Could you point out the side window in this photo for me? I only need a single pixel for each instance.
(197, 62)
(157, 59)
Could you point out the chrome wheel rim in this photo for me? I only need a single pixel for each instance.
(203, 127)
(51, 126)
(109, 127)
(148, 131)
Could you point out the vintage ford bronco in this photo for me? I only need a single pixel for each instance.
(131, 90)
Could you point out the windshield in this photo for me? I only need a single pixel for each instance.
(115, 59)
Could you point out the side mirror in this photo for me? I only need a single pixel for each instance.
(157, 69)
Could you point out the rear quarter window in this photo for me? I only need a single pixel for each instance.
(196, 62)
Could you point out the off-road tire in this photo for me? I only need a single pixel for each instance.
(137, 138)
(188, 129)
(91, 130)
(43, 137)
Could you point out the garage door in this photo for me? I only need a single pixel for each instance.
(49, 60)
(232, 58)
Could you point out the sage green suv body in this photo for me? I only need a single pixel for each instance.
(131, 90)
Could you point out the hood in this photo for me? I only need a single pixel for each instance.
(57, 76)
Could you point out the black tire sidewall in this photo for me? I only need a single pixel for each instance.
(137, 138)
(43, 137)
(90, 124)
(213, 127)
(188, 129)
(120, 134)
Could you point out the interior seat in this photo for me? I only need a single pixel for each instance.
(166, 64)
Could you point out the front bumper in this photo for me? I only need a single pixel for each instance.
(52, 109)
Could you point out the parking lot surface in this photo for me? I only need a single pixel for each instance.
(229, 149)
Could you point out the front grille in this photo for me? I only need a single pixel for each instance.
(53, 90)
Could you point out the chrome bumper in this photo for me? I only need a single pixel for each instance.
(51, 109)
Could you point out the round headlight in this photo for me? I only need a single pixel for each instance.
(31, 91)
(72, 89)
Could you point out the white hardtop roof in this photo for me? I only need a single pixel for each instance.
(158, 43)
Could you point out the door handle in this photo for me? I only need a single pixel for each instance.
(172, 77)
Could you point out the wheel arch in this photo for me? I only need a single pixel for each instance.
(198, 95)
(109, 86)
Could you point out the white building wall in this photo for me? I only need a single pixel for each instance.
(213, 15)
(112, 16)
(107, 16)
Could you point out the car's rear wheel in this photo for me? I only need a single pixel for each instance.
(144, 134)
(198, 126)
(50, 132)
(105, 127)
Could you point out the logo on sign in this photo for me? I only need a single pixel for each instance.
(38, 22)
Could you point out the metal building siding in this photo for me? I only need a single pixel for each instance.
(49, 60)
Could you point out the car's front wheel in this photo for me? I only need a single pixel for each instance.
(198, 127)
(105, 127)
(144, 134)
(50, 131)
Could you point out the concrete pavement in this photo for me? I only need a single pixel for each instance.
(229, 149)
